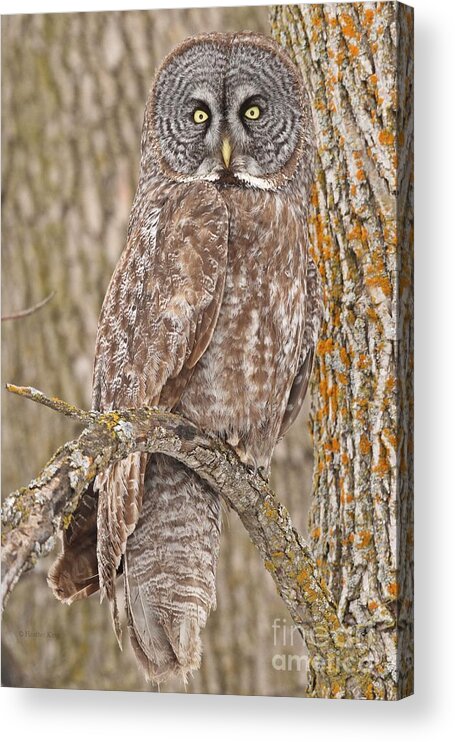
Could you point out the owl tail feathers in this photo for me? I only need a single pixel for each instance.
(169, 570)
(163, 649)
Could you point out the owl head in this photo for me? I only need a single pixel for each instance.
(228, 108)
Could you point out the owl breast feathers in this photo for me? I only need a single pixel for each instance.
(213, 312)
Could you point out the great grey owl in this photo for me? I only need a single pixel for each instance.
(212, 312)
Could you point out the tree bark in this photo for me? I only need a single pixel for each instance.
(357, 63)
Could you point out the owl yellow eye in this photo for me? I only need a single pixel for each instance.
(252, 113)
(200, 116)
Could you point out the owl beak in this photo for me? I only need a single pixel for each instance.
(226, 151)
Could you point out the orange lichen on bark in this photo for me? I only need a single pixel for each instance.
(364, 539)
(358, 233)
(386, 137)
(380, 281)
(303, 576)
(364, 445)
(322, 239)
(324, 389)
(270, 511)
(332, 446)
(320, 414)
(336, 312)
(382, 467)
(391, 436)
(372, 314)
(333, 400)
(340, 57)
(393, 589)
(348, 26)
(325, 346)
(368, 17)
(390, 384)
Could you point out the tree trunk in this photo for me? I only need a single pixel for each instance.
(74, 91)
(357, 62)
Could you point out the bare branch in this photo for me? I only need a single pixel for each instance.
(32, 516)
(53, 402)
(30, 310)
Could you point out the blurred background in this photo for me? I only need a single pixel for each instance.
(74, 88)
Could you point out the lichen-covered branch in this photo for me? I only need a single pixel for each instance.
(32, 516)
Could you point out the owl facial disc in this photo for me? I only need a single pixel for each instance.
(227, 108)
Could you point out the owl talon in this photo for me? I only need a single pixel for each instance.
(251, 464)
(246, 458)
(259, 471)
(263, 472)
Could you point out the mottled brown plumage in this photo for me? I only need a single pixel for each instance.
(213, 312)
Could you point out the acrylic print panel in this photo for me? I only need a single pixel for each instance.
(268, 253)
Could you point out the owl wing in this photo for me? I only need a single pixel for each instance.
(164, 298)
(157, 320)
(313, 317)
